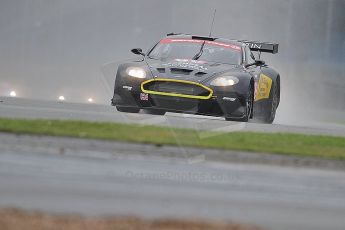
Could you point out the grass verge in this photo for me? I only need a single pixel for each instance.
(281, 143)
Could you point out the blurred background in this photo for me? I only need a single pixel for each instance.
(50, 48)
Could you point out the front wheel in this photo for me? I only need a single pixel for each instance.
(127, 109)
(248, 108)
(270, 113)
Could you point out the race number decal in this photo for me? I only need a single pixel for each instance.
(264, 87)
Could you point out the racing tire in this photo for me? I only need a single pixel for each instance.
(248, 109)
(155, 112)
(269, 115)
(127, 109)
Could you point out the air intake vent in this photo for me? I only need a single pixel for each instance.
(199, 74)
(180, 71)
(161, 70)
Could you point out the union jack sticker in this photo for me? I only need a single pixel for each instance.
(144, 97)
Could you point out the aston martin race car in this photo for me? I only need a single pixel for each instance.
(200, 75)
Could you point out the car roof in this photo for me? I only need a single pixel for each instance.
(189, 36)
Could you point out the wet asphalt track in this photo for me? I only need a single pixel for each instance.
(36, 174)
(95, 182)
(42, 177)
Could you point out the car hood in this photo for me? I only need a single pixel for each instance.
(186, 69)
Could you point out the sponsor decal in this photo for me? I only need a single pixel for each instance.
(191, 61)
(186, 64)
(129, 88)
(254, 45)
(232, 99)
(144, 97)
(214, 43)
(263, 88)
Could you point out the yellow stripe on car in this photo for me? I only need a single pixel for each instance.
(264, 87)
(176, 94)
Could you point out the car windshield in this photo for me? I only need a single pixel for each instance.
(212, 51)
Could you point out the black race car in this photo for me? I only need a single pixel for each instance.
(200, 75)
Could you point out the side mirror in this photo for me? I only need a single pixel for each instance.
(138, 51)
(259, 62)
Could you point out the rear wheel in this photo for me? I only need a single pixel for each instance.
(248, 107)
(270, 113)
(127, 109)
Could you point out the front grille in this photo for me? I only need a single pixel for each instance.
(176, 88)
(180, 71)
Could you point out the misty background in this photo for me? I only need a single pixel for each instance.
(50, 48)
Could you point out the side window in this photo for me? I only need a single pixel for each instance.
(249, 56)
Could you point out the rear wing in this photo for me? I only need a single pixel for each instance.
(266, 47)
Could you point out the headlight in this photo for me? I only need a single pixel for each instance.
(13, 94)
(225, 81)
(136, 72)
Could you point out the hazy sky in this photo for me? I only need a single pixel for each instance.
(50, 47)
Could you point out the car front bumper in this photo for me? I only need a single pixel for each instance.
(228, 104)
